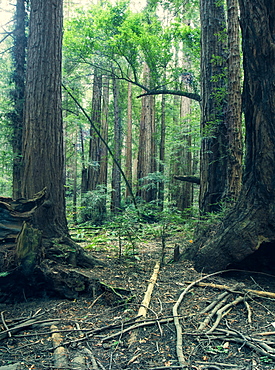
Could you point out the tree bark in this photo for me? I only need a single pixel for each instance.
(129, 138)
(94, 151)
(147, 146)
(213, 105)
(250, 226)
(234, 111)
(43, 153)
(116, 174)
(19, 61)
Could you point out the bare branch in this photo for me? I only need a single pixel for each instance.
(192, 96)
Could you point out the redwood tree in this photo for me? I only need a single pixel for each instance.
(147, 146)
(213, 105)
(19, 61)
(251, 223)
(43, 157)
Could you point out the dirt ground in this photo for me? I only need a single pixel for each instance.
(96, 332)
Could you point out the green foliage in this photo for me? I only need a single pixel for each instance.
(6, 156)
(93, 206)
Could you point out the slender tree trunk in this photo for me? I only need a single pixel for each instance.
(129, 139)
(84, 170)
(162, 152)
(187, 188)
(43, 150)
(147, 146)
(116, 175)
(75, 180)
(19, 60)
(94, 151)
(104, 133)
(214, 146)
(249, 226)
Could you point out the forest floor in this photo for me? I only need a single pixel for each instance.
(98, 332)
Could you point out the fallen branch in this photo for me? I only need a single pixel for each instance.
(146, 300)
(192, 179)
(213, 312)
(259, 293)
(179, 349)
(24, 325)
(221, 312)
(138, 325)
(147, 297)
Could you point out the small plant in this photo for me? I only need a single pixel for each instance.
(93, 206)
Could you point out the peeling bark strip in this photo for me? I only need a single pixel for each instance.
(14, 212)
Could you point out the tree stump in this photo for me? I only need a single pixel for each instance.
(33, 265)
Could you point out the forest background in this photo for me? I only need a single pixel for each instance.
(151, 108)
(111, 55)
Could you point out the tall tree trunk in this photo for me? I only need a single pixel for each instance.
(94, 151)
(147, 146)
(75, 179)
(250, 225)
(104, 133)
(234, 119)
(187, 188)
(116, 174)
(162, 152)
(43, 153)
(129, 139)
(84, 170)
(19, 60)
(213, 105)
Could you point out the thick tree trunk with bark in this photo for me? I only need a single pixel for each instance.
(250, 226)
(213, 105)
(43, 152)
(44, 235)
(234, 111)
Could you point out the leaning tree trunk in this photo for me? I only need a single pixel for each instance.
(250, 226)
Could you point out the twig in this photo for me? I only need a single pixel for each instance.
(249, 312)
(5, 325)
(24, 325)
(213, 303)
(258, 293)
(221, 312)
(94, 302)
(212, 313)
(135, 326)
(179, 349)
(133, 359)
